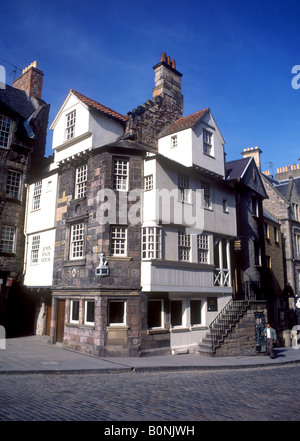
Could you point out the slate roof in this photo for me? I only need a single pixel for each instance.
(17, 101)
(235, 169)
(185, 122)
(94, 105)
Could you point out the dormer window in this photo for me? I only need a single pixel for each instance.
(70, 125)
(207, 142)
(5, 131)
(174, 141)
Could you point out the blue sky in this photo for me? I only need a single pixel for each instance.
(236, 58)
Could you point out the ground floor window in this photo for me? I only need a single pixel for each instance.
(176, 313)
(74, 312)
(117, 312)
(195, 312)
(89, 312)
(155, 314)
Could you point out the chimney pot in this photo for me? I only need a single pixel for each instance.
(163, 57)
(168, 60)
(173, 64)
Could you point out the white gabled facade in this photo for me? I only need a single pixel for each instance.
(77, 128)
(40, 231)
(186, 251)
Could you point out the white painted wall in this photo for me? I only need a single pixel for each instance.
(189, 150)
(40, 274)
(92, 130)
(43, 218)
(41, 222)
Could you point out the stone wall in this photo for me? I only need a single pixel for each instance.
(241, 340)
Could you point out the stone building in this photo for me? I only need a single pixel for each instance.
(249, 250)
(284, 205)
(274, 274)
(23, 126)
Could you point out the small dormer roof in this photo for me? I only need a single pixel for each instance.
(185, 122)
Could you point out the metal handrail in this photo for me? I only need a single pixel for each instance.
(225, 320)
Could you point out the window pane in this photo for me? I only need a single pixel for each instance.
(118, 240)
(116, 312)
(154, 313)
(5, 124)
(176, 312)
(90, 312)
(77, 241)
(7, 239)
(13, 184)
(120, 171)
(81, 179)
(36, 203)
(195, 306)
(75, 310)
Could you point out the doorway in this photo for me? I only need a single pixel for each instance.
(60, 321)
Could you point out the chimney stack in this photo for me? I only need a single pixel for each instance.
(253, 153)
(168, 82)
(31, 81)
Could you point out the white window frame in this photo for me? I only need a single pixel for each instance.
(77, 241)
(35, 249)
(207, 142)
(183, 187)
(80, 181)
(184, 247)
(8, 239)
(148, 183)
(5, 131)
(37, 192)
(118, 240)
(86, 321)
(120, 174)
(151, 243)
(174, 141)
(203, 248)
(76, 321)
(162, 314)
(70, 125)
(124, 321)
(14, 184)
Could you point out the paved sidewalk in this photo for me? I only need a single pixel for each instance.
(33, 355)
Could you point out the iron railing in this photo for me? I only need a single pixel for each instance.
(226, 319)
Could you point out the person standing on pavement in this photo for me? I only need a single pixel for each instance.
(271, 336)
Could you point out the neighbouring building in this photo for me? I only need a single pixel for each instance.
(274, 273)
(23, 128)
(283, 204)
(249, 250)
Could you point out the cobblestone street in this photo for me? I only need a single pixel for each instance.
(269, 394)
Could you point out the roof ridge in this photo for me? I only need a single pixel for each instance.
(184, 122)
(98, 106)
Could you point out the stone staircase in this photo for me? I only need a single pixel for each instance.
(221, 326)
